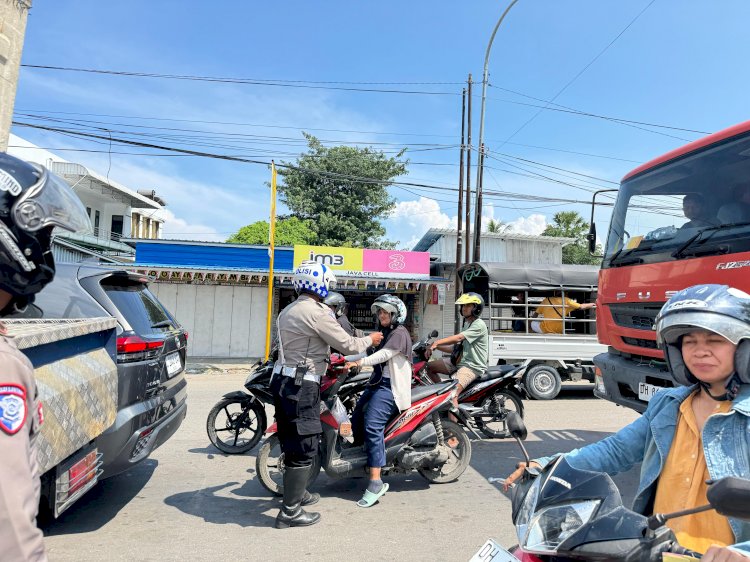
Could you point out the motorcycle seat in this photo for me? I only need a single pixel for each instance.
(421, 392)
(359, 377)
(495, 372)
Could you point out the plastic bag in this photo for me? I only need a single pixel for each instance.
(342, 417)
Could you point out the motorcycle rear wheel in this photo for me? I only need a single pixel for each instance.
(495, 426)
(460, 456)
(270, 467)
(242, 421)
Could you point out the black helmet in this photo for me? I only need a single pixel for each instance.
(32, 202)
(717, 308)
(336, 301)
(475, 299)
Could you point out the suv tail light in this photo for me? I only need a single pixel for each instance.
(131, 347)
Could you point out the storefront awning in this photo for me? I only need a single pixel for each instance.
(246, 276)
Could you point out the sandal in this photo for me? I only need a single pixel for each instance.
(369, 498)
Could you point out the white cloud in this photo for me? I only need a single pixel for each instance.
(533, 224)
(178, 229)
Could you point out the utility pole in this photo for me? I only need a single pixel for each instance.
(478, 225)
(485, 80)
(459, 234)
(468, 176)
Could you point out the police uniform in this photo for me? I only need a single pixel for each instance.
(20, 420)
(307, 330)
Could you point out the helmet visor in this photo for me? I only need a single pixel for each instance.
(671, 327)
(50, 202)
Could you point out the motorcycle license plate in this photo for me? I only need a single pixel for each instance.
(492, 552)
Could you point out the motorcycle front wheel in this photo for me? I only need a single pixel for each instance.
(235, 425)
(270, 467)
(460, 457)
(494, 424)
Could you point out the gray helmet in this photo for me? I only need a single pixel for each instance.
(717, 308)
(336, 301)
(392, 304)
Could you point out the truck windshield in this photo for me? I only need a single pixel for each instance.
(697, 205)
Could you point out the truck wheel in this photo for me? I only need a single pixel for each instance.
(542, 382)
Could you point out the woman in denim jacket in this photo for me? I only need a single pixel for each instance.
(694, 432)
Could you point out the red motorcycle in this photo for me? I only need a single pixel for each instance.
(486, 402)
(419, 438)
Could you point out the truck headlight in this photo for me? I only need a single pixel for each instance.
(550, 526)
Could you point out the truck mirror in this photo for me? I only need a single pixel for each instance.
(591, 237)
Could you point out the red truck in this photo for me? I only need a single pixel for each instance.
(679, 220)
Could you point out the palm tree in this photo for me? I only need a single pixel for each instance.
(497, 227)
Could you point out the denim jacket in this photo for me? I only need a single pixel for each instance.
(726, 446)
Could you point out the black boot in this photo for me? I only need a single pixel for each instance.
(310, 498)
(291, 513)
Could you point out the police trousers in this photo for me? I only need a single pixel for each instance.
(297, 419)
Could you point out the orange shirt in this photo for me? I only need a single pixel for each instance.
(682, 485)
(552, 310)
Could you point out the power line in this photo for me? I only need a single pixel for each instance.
(584, 69)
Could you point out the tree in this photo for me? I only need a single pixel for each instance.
(289, 231)
(324, 187)
(497, 227)
(570, 224)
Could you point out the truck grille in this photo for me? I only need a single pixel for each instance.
(638, 342)
(634, 315)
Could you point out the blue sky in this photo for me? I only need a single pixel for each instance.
(681, 64)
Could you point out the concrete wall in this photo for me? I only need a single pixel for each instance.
(12, 30)
(222, 320)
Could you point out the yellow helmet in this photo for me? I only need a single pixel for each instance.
(472, 298)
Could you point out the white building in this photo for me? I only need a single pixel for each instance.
(116, 212)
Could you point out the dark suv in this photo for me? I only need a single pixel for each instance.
(151, 349)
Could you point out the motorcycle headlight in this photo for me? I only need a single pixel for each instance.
(551, 525)
(527, 509)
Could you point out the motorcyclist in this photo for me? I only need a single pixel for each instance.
(32, 202)
(337, 303)
(388, 391)
(474, 346)
(696, 432)
(307, 329)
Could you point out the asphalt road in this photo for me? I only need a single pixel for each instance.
(191, 502)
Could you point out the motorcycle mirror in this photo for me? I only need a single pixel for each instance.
(516, 426)
(730, 496)
(434, 334)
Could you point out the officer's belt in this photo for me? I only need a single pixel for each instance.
(292, 372)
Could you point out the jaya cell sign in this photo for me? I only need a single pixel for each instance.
(356, 262)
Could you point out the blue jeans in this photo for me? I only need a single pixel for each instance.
(371, 414)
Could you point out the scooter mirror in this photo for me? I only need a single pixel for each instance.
(516, 426)
(434, 334)
(730, 496)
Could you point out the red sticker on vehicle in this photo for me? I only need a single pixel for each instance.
(12, 408)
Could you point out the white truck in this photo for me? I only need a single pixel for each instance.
(513, 293)
(76, 377)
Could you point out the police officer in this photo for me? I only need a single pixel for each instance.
(307, 329)
(32, 202)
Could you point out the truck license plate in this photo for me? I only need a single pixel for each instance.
(174, 363)
(647, 391)
(492, 552)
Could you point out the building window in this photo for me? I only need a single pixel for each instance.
(116, 230)
(88, 212)
(96, 223)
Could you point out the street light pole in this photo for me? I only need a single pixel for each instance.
(480, 144)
